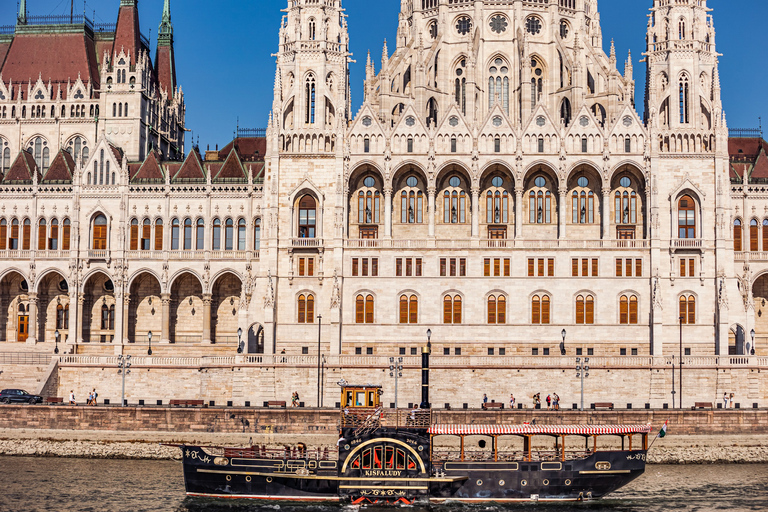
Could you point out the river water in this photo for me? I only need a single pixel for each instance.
(82, 485)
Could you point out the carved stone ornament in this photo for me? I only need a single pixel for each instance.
(269, 296)
(336, 294)
(657, 300)
(722, 296)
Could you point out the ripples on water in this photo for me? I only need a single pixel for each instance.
(79, 485)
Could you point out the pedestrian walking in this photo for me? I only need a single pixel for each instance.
(556, 401)
(72, 398)
(95, 396)
(90, 398)
(549, 402)
(730, 399)
(725, 400)
(485, 400)
(511, 401)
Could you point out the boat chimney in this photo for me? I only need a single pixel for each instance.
(425, 351)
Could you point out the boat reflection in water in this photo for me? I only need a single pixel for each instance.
(398, 457)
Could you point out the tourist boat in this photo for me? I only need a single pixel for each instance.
(402, 456)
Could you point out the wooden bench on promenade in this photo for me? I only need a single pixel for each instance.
(493, 405)
(603, 405)
(187, 403)
(54, 400)
(275, 403)
(703, 405)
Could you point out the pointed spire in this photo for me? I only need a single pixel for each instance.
(628, 67)
(369, 67)
(613, 53)
(384, 55)
(22, 20)
(166, 27)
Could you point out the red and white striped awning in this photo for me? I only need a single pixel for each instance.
(587, 430)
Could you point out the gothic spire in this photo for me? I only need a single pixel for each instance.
(166, 27)
(22, 20)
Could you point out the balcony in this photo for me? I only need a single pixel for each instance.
(495, 244)
(94, 254)
(306, 243)
(16, 254)
(761, 256)
(687, 243)
(144, 255)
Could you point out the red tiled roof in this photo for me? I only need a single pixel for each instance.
(166, 69)
(760, 170)
(117, 153)
(192, 168)
(4, 47)
(232, 168)
(23, 168)
(127, 33)
(58, 58)
(739, 147)
(133, 169)
(248, 148)
(62, 168)
(738, 170)
(150, 169)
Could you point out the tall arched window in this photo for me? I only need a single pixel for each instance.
(540, 309)
(537, 81)
(461, 86)
(134, 235)
(565, 112)
(42, 233)
(497, 202)
(100, 232)
(454, 202)
(628, 310)
(200, 235)
(26, 233)
(497, 309)
(309, 91)
(53, 236)
(681, 28)
(175, 235)
(241, 235)
(687, 309)
(583, 202)
(65, 233)
(159, 235)
(216, 235)
(187, 234)
(432, 112)
(684, 100)
(104, 317)
(452, 309)
(765, 235)
(364, 309)
(306, 309)
(229, 235)
(146, 235)
(411, 202)
(369, 203)
(585, 309)
(625, 205)
(686, 218)
(754, 236)
(257, 234)
(409, 309)
(498, 84)
(540, 202)
(312, 29)
(307, 217)
(737, 245)
(3, 234)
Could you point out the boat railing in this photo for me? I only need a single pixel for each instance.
(297, 452)
(370, 419)
(439, 455)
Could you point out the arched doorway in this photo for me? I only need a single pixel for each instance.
(186, 318)
(256, 339)
(736, 341)
(145, 310)
(14, 319)
(99, 309)
(760, 297)
(225, 304)
(53, 306)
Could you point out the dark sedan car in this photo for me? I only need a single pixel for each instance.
(19, 395)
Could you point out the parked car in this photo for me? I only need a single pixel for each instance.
(19, 395)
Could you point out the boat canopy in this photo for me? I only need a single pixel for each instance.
(493, 430)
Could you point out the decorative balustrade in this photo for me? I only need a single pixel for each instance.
(458, 243)
(98, 254)
(687, 243)
(15, 254)
(307, 242)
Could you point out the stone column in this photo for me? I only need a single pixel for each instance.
(73, 316)
(32, 338)
(207, 301)
(605, 214)
(388, 212)
(518, 212)
(126, 317)
(80, 326)
(561, 215)
(475, 207)
(431, 191)
(166, 334)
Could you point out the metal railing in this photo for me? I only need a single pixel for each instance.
(744, 133)
(251, 132)
(26, 358)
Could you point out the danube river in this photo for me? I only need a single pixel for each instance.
(83, 485)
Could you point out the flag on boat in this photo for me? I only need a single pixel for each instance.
(663, 431)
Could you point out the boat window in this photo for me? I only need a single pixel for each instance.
(370, 398)
(360, 398)
(389, 457)
(348, 400)
(367, 459)
(356, 463)
(377, 457)
(400, 459)
(411, 464)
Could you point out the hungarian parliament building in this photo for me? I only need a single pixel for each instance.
(496, 186)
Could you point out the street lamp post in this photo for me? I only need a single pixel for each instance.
(149, 337)
(396, 371)
(680, 380)
(752, 349)
(123, 365)
(319, 327)
(56, 337)
(582, 371)
(673, 381)
(322, 381)
(562, 345)
(239, 340)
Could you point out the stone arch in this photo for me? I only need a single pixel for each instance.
(179, 273)
(405, 167)
(139, 273)
(50, 295)
(226, 290)
(13, 326)
(760, 298)
(187, 308)
(255, 339)
(99, 307)
(737, 340)
(145, 307)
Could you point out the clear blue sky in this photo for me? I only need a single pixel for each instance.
(224, 47)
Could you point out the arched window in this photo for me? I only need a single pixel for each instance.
(686, 218)
(200, 235)
(765, 235)
(684, 100)
(687, 309)
(364, 309)
(737, 246)
(454, 202)
(146, 235)
(432, 112)
(187, 234)
(159, 235)
(306, 309)
(42, 153)
(411, 202)
(3, 234)
(754, 236)
(13, 241)
(104, 317)
(565, 112)
(229, 235)
(309, 92)
(461, 86)
(681, 28)
(409, 309)
(369, 203)
(100, 232)
(628, 310)
(583, 202)
(42, 233)
(307, 217)
(257, 234)
(498, 84)
(65, 233)
(540, 309)
(6, 159)
(175, 235)
(26, 233)
(216, 236)
(312, 29)
(241, 235)
(625, 204)
(585, 309)
(53, 236)
(497, 309)
(540, 202)
(452, 309)
(537, 81)
(134, 235)
(497, 202)
(62, 316)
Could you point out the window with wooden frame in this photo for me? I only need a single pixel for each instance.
(540, 309)
(307, 267)
(100, 232)
(687, 309)
(66, 230)
(26, 235)
(687, 267)
(542, 267)
(585, 309)
(629, 267)
(496, 267)
(737, 245)
(3, 234)
(134, 235)
(453, 267)
(364, 309)
(452, 309)
(754, 236)
(628, 310)
(146, 235)
(765, 235)
(407, 267)
(159, 235)
(686, 213)
(306, 309)
(497, 309)
(409, 309)
(42, 233)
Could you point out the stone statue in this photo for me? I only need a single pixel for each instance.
(336, 294)
(269, 296)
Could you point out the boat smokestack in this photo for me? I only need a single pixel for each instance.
(425, 351)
